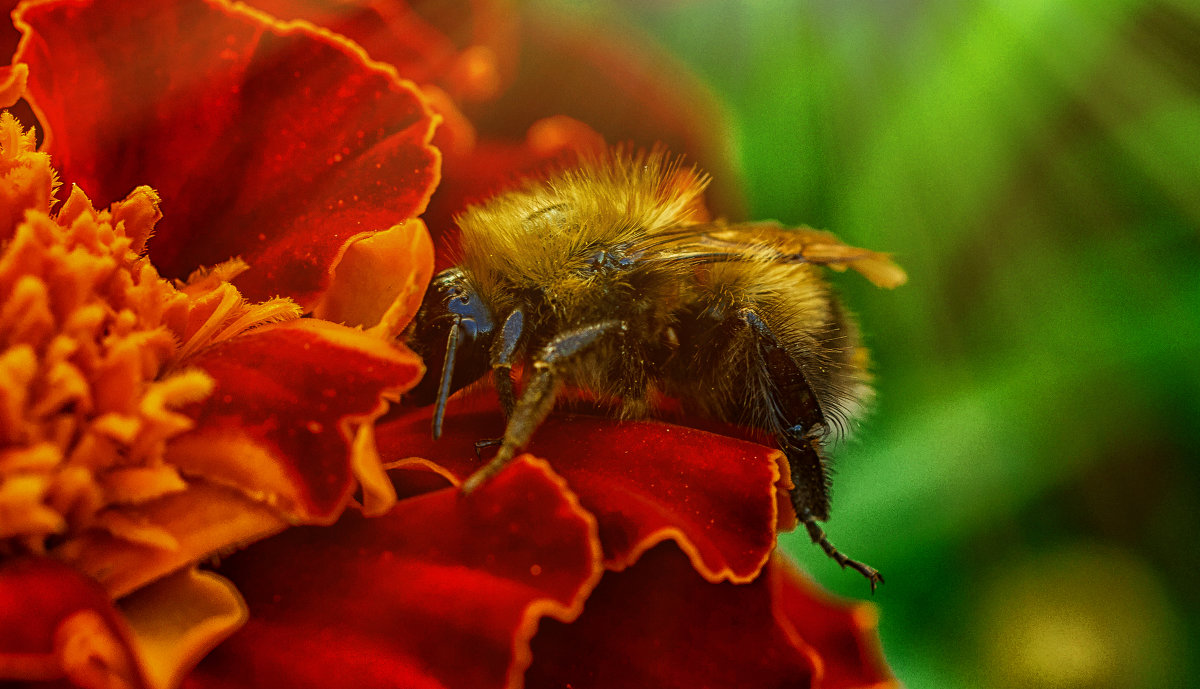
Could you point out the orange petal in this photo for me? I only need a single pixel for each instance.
(380, 280)
(176, 621)
(200, 521)
(26, 179)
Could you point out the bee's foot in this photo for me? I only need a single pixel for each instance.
(867, 571)
(818, 537)
(481, 445)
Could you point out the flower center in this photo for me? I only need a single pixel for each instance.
(93, 352)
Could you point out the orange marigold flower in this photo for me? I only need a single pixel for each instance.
(116, 451)
(612, 555)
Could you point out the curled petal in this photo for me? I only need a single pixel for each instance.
(12, 83)
(190, 525)
(276, 142)
(284, 436)
(55, 623)
(660, 624)
(176, 621)
(645, 482)
(289, 401)
(379, 282)
(443, 591)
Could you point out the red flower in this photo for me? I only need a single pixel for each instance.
(146, 425)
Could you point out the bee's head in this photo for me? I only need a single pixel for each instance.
(453, 334)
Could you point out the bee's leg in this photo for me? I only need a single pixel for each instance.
(799, 424)
(481, 445)
(538, 397)
(802, 454)
(505, 350)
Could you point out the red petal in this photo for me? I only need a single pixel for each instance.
(841, 633)
(281, 419)
(645, 482)
(8, 34)
(12, 78)
(659, 624)
(468, 47)
(274, 142)
(444, 591)
(55, 622)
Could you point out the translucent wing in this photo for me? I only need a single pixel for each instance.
(718, 242)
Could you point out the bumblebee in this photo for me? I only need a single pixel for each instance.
(610, 278)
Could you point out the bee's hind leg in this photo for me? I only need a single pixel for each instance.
(799, 422)
(817, 534)
(803, 455)
(537, 399)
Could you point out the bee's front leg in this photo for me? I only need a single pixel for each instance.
(504, 352)
(538, 397)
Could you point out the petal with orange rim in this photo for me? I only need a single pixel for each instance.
(285, 432)
(192, 525)
(56, 623)
(13, 79)
(660, 624)
(645, 482)
(282, 420)
(275, 142)
(443, 591)
(468, 47)
(842, 634)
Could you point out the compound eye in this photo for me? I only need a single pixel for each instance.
(472, 314)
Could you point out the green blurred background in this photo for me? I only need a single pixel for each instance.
(1028, 481)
